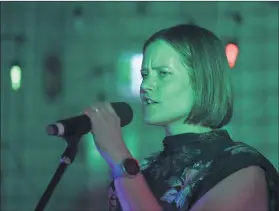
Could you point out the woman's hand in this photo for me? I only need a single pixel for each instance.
(106, 130)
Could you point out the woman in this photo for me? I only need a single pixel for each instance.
(186, 90)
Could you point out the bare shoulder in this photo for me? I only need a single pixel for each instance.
(249, 176)
(243, 190)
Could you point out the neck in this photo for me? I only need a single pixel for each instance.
(179, 128)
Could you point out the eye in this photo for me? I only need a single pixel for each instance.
(164, 73)
(143, 74)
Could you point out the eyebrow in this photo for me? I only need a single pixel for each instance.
(156, 68)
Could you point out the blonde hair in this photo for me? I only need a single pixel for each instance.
(203, 55)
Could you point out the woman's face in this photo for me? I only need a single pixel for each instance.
(165, 81)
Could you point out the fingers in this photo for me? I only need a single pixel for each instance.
(111, 109)
(91, 112)
(100, 110)
(93, 115)
(95, 109)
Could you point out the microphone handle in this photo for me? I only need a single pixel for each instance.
(82, 122)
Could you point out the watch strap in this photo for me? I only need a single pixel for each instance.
(120, 171)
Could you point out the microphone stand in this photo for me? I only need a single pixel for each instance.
(66, 159)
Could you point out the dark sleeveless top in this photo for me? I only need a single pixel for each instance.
(191, 164)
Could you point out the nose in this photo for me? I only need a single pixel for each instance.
(147, 86)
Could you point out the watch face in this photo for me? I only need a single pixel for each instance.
(131, 166)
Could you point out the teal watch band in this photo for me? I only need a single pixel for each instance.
(118, 171)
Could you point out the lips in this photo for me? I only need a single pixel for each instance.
(149, 101)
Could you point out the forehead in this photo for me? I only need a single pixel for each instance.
(160, 52)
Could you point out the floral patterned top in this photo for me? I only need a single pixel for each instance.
(191, 164)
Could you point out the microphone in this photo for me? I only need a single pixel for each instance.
(82, 123)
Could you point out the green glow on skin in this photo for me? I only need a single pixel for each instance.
(166, 80)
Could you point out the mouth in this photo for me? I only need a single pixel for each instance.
(148, 101)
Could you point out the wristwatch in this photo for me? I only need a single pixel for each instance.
(129, 167)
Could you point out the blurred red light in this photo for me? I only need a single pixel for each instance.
(232, 53)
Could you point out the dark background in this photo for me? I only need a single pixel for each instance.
(74, 54)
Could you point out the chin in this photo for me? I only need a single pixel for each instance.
(163, 121)
(154, 121)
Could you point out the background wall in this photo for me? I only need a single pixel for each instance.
(76, 49)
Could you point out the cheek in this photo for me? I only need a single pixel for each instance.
(178, 102)
(181, 107)
(182, 96)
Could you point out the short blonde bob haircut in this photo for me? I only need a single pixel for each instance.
(203, 55)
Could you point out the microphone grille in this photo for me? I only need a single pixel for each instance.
(124, 111)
